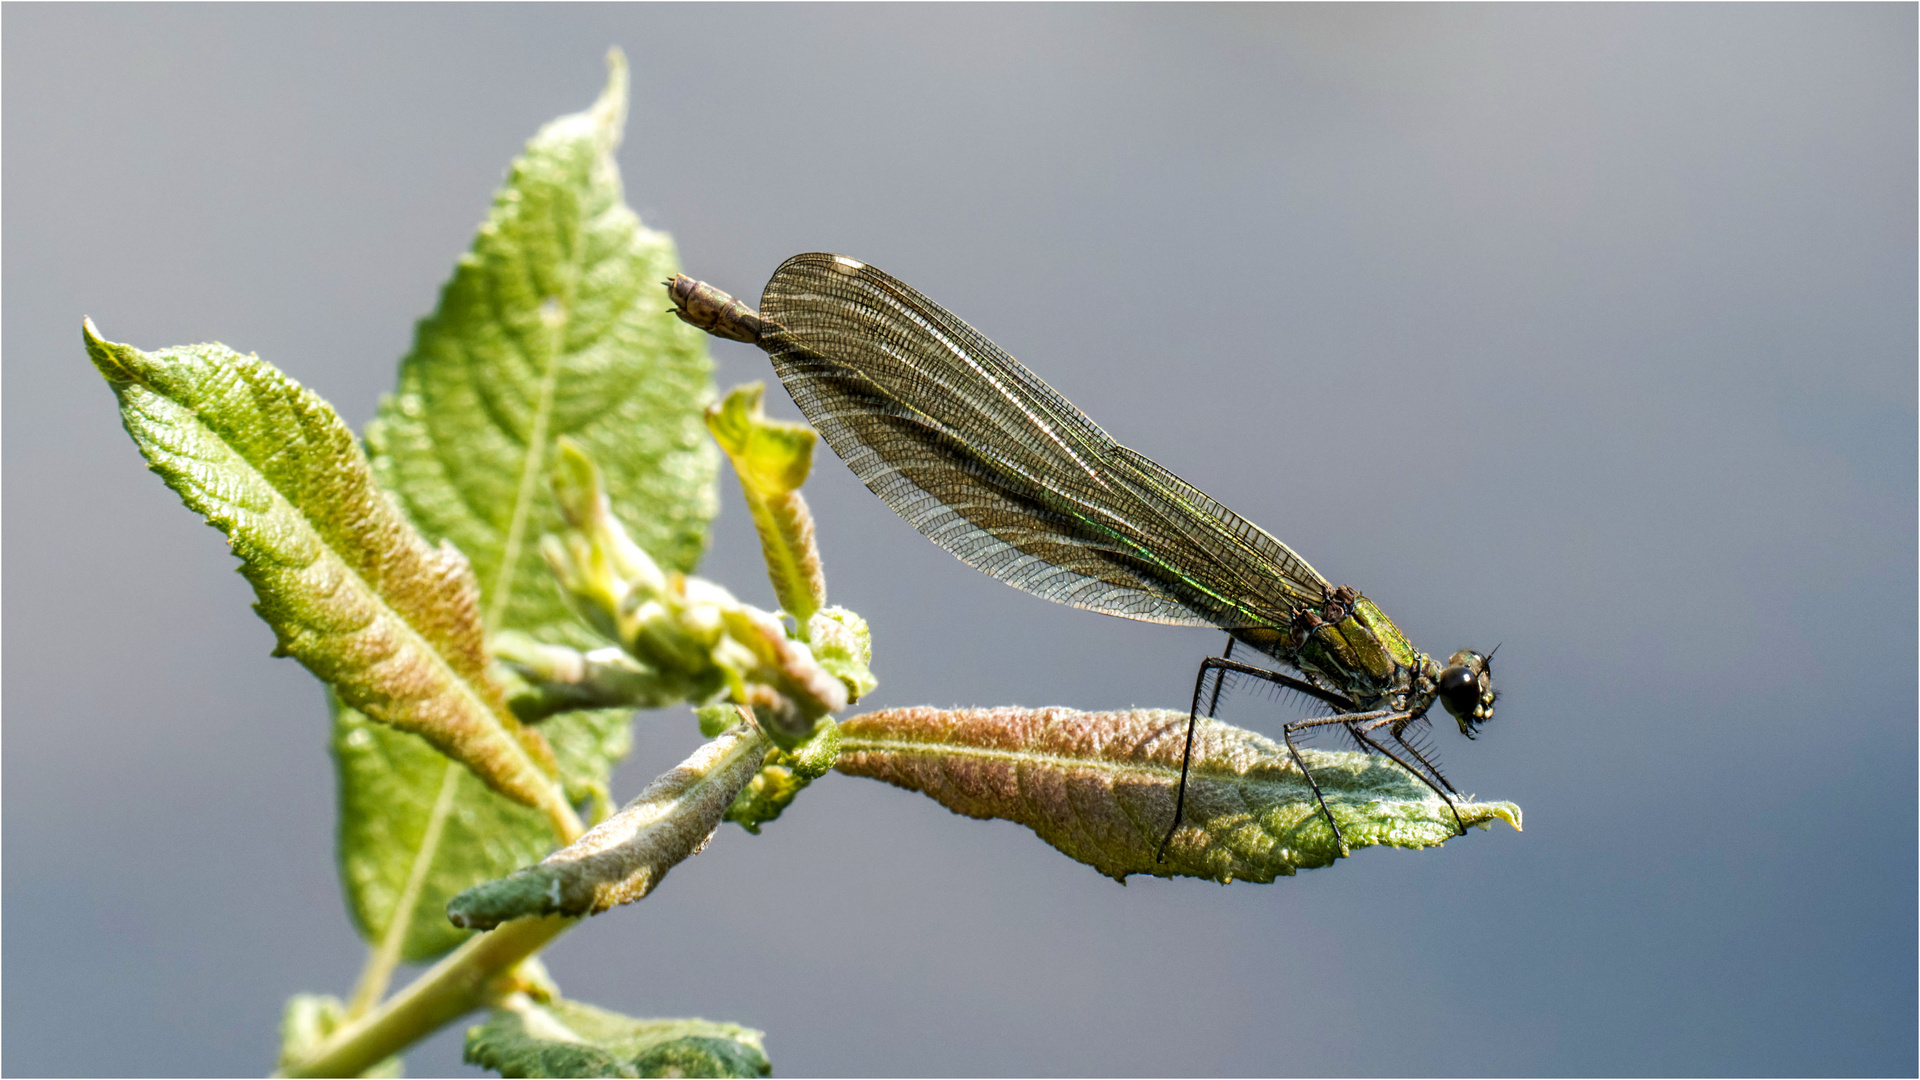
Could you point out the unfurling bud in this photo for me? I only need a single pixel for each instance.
(772, 459)
(684, 638)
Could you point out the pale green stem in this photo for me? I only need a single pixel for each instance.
(428, 999)
(383, 958)
(566, 823)
(464, 981)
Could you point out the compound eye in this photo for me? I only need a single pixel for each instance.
(1460, 690)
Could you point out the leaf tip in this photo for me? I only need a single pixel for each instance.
(611, 108)
(115, 361)
(731, 419)
(576, 483)
(1507, 812)
(772, 456)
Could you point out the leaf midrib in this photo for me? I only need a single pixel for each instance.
(499, 597)
(855, 744)
(324, 547)
(535, 457)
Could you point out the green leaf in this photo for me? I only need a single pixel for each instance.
(550, 326)
(350, 589)
(702, 1055)
(772, 459)
(389, 785)
(1101, 788)
(566, 1038)
(844, 647)
(624, 857)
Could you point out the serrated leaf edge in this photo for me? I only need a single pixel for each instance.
(521, 777)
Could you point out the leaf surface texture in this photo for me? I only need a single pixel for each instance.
(567, 1038)
(348, 586)
(1101, 786)
(550, 326)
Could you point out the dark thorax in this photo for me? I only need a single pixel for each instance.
(1347, 645)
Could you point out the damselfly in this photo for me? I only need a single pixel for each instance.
(991, 464)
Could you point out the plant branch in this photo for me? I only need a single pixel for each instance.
(384, 957)
(466, 980)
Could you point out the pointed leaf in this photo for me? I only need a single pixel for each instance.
(350, 589)
(550, 326)
(621, 859)
(772, 459)
(566, 1038)
(1101, 787)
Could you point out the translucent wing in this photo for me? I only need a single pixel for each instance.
(990, 463)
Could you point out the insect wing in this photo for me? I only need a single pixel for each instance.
(989, 462)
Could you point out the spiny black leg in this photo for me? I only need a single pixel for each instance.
(1223, 665)
(1395, 731)
(1213, 706)
(1395, 758)
(1339, 840)
(1301, 764)
(1187, 756)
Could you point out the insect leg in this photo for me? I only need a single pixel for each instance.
(1186, 755)
(1301, 764)
(1361, 734)
(1193, 717)
(1395, 730)
(1214, 705)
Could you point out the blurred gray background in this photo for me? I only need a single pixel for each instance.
(1587, 330)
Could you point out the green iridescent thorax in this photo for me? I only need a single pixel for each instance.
(1351, 646)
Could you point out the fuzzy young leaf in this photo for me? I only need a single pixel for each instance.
(624, 857)
(783, 776)
(1101, 787)
(544, 679)
(549, 327)
(843, 646)
(772, 459)
(566, 1038)
(694, 638)
(350, 589)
